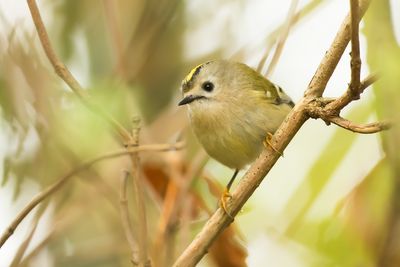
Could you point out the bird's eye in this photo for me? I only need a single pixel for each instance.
(207, 86)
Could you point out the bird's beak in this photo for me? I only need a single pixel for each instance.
(189, 99)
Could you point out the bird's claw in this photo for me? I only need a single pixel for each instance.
(267, 143)
(226, 196)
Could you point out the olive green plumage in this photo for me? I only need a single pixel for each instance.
(232, 108)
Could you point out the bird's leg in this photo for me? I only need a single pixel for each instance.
(267, 143)
(226, 195)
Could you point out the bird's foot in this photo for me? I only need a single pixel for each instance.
(267, 143)
(226, 196)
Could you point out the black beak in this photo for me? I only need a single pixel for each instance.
(189, 99)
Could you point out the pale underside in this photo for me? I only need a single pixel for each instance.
(234, 136)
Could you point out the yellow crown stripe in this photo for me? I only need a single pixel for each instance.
(195, 70)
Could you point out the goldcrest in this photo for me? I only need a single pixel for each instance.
(232, 108)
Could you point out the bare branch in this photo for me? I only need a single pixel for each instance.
(59, 67)
(279, 47)
(355, 61)
(36, 250)
(333, 55)
(110, 10)
(22, 248)
(58, 185)
(329, 110)
(63, 72)
(139, 197)
(273, 36)
(125, 218)
(174, 201)
(334, 107)
(368, 128)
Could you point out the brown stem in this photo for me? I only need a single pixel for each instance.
(279, 47)
(138, 187)
(63, 72)
(355, 61)
(58, 185)
(22, 248)
(333, 55)
(125, 218)
(367, 128)
(273, 36)
(338, 104)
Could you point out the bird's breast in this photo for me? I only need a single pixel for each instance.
(228, 135)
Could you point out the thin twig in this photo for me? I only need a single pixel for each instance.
(274, 35)
(57, 185)
(339, 103)
(368, 128)
(63, 72)
(37, 249)
(355, 61)
(279, 47)
(174, 200)
(254, 176)
(333, 55)
(125, 218)
(59, 67)
(22, 248)
(110, 10)
(62, 222)
(144, 260)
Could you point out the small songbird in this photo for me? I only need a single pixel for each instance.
(233, 111)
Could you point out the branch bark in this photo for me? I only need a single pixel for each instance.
(355, 62)
(125, 218)
(333, 55)
(367, 128)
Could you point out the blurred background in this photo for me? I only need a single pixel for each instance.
(332, 200)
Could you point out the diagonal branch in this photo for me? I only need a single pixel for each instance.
(274, 35)
(63, 72)
(279, 47)
(59, 67)
(23, 247)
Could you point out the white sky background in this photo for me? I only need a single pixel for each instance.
(250, 22)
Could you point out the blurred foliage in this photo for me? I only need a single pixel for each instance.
(130, 57)
(383, 55)
(322, 170)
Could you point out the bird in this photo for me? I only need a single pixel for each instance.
(233, 111)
